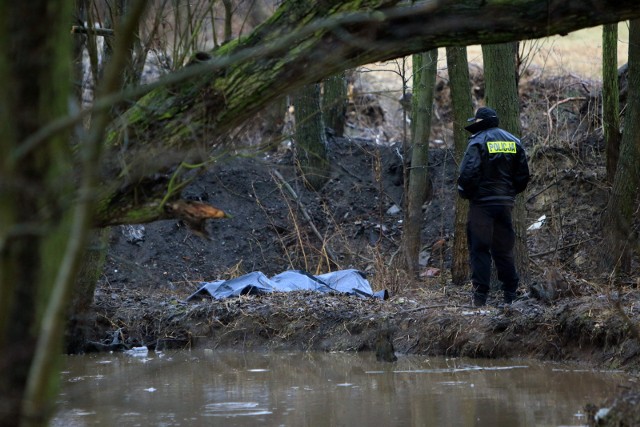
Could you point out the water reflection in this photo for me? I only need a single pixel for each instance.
(321, 389)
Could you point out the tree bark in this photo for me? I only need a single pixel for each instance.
(34, 218)
(618, 219)
(171, 124)
(459, 85)
(310, 137)
(81, 314)
(70, 228)
(228, 19)
(334, 103)
(610, 98)
(424, 78)
(501, 94)
(272, 118)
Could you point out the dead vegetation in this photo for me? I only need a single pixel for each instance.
(565, 313)
(432, 321)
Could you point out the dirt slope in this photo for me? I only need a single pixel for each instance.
(151, 269)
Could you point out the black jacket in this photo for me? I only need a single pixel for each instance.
(494, 168)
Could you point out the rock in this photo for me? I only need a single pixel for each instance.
(551, 287)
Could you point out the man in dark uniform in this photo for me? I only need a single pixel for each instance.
(493, 170)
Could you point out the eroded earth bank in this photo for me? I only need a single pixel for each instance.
(564, 312)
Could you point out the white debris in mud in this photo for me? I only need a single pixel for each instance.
(538, 224)
(476, 312)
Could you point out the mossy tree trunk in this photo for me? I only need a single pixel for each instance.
(334, 103)
(460, 87)
(501, 93)
(619, 235)
(81, 314)
(610, 97)
(302, 43)
(135, 54)
(45, 202)
(36, 188)
(310, 137)
(424, 79)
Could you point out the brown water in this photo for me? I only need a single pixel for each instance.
(216, 388)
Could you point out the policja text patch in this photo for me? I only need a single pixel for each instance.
(501, 147)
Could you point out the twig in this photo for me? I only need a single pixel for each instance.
(633, 327)
(533, 196)
(553, 107)
(559, 249)
(424, 307)
(347, 171)
(305, 214)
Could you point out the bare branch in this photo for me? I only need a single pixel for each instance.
(105, 32)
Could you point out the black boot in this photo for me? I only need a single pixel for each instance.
(479, 299)
(509, 297)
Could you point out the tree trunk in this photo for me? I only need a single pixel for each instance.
(610, 97)
(424, 79)
(44, 208)
(310, 138)
(501, 94)
(171, 124)
(273, 121)
(228, 20)
(334, 103)
(80, 311)
(36, 188)
(81, 314)
(618, 219)
(461, 102)
(134, 64)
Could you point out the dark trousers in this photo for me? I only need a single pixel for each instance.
(490, 235)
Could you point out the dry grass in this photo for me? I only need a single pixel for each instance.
(578, 53)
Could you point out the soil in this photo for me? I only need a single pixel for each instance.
(563, 313)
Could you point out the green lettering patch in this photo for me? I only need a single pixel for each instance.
(501, 147)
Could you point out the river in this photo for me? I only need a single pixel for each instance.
(206, 387)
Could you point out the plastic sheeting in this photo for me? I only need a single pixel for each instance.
(343, 281)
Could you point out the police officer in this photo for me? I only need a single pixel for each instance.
(493, 170)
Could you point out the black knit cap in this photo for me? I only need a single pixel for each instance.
(485, 118)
